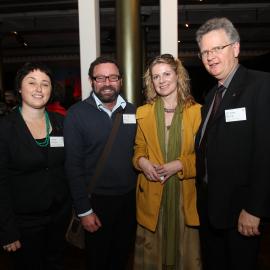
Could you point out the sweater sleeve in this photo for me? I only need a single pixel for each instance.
(75, 162)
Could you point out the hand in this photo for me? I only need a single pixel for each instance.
(149, 169)
(11, 247)
(91, 223)
(166, 170)
(248, 225)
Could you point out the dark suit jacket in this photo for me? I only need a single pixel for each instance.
(238, 153)
(32, 179)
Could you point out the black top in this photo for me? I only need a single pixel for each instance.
(32, 179)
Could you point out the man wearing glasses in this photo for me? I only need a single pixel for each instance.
(108, 215)
(232, 148)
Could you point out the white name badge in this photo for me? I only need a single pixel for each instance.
(57, 141)
(129, 119)
(234, 115)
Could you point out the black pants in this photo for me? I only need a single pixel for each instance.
(224, 249)
(43, 240)
(109, 247)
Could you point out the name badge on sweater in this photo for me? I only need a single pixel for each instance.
(233, 115)
(129, 119)
(57, 141)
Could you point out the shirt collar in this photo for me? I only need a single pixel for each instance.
(229, 78)
(119, 102)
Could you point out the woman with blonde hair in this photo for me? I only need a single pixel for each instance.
(167, 235)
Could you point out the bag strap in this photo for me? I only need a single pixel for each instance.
(106, 150)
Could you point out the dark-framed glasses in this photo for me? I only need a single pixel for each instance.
(111, 78)
(214, 51)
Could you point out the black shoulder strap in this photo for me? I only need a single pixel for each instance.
(106, 150)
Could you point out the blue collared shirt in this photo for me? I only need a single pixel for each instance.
(119, 102)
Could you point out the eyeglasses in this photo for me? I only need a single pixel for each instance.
(111, 78)
(213, 51)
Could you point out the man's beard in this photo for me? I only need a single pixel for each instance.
(107, 97)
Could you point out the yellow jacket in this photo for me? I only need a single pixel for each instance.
(149, 193)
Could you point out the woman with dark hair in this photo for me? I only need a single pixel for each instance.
(167, 237)
(34, 197)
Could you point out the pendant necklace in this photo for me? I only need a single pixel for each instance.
(169, 110)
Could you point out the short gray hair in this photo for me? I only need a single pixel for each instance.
(217, 24)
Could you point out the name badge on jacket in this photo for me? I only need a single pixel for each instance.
(56, 141)
(233, 115)
(129, 119)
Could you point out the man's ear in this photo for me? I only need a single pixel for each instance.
(236, 48)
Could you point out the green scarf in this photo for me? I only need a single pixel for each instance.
(171, 191)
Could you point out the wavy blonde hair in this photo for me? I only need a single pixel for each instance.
(183, 81)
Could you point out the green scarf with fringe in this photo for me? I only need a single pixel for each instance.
(171, 191)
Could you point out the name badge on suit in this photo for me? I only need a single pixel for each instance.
(233, 115)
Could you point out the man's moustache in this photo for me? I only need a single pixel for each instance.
(107, 87)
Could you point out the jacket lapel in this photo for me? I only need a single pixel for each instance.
(208, 101)
(150, 131)
(24, 135)
(234, 90)
(204, 111)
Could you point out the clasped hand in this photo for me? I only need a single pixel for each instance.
(160, 173)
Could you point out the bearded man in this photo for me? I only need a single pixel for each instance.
(108, 215)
